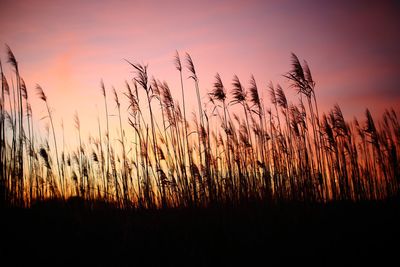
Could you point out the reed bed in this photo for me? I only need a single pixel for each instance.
(283, 150)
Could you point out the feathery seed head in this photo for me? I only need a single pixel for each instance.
(177, 61)
(41, 93)
(238, 92)
(218, 92)
(11, 58)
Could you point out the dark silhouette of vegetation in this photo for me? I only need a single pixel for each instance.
(274, 184)
(283, 152)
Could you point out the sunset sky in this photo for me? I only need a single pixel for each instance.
(67, 47)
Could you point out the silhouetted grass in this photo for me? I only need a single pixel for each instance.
(283, 152)
(274, 184)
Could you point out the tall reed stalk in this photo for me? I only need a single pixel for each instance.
(261, 152)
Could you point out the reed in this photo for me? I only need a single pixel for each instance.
(282, 151)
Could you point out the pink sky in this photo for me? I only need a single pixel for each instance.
(69, 46)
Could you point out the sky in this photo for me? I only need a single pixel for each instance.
(352, 48)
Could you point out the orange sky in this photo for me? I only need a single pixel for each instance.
(69, 46)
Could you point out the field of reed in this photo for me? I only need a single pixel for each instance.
(263, 150)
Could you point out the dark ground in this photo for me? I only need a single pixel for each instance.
(295, 234)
